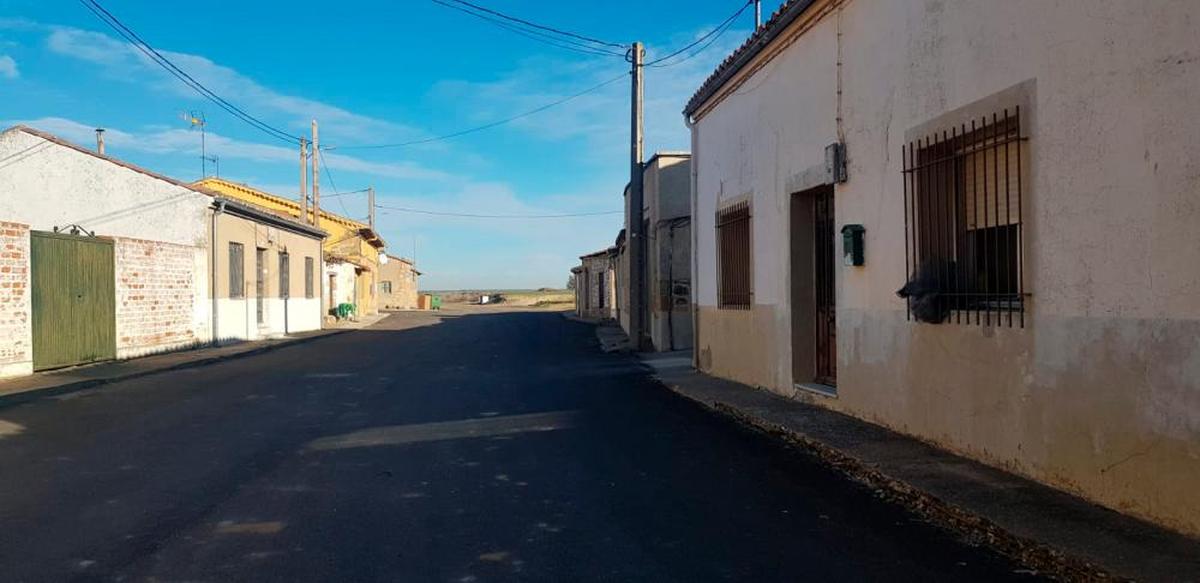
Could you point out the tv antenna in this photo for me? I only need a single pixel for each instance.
(195, 120)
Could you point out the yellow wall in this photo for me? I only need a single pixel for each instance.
(344, 240)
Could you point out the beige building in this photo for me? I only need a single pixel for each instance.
(666, 216)
(398, 284)
(265, 273)
(1026, 173)
(595, 285)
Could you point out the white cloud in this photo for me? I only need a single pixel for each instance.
(120, 59)
(8, 67)
(181, 141)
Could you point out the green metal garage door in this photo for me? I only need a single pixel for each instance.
(74, 300)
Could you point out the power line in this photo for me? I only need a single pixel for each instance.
(540, 26)
(485, 126)
(347, 193)
(720, 31)
(483, 216)
(132, 37)
(711, 33)
(332, 184)
(535, 35)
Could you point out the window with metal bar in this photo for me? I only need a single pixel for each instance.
(309, 268)
(733, 257)
(386, 287)
(285, 275)
(237, 271)
(963, 205)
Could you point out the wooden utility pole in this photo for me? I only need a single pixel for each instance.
(304, 180)
(316, 171)
(637, 236)
(371, 203)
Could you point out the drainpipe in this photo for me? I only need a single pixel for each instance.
(212, 268)
(671, 289)
(694, 278)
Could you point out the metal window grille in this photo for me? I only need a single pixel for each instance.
(963, 223)
(285, 275)
(308, 277)
(733, 248)
(387, 286)
(237, 271)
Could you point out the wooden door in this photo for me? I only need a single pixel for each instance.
(825, 292)
(73, 294)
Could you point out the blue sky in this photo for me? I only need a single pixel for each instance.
(379, 72)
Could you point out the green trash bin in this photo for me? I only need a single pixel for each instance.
(436, 303)
(345, 310)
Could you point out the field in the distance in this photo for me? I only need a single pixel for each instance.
(561, 299)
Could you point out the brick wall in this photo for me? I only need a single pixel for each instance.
(155, 296)
(16, 350)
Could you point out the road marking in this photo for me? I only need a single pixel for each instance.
(447, 430)
(231, 527)
(9, 429)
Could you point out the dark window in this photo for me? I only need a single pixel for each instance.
(386, 287)
(308, 277)
(733, 256)
(600, 289)
(285, 275)
(237, 271)
(963, 209)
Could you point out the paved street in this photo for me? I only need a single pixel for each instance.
(474, 445)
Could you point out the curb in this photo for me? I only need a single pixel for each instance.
(30, 395)
(973, 529)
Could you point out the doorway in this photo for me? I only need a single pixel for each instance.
(813, 290)
(73, 299)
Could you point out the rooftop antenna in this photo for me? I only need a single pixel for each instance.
(195, 120)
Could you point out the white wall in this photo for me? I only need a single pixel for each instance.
(1100, 392)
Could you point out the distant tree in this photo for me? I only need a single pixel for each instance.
(571, 282)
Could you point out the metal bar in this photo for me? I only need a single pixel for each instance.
(907, 242)
(1008, 262)
(974, 281)
(968, 149)
(943, 219)
(955, 139)
(1020, 225)
(994, 275)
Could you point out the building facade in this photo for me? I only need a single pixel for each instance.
(101, 259)
(667, 196)
(1022, 174)
(266, 270)
(351, 252)
(595, 286)
(398, 284)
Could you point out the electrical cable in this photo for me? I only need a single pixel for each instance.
(554, 41)
(485, 126)
(541, 27)
(133, 38)
(332, 184)
(703, 38)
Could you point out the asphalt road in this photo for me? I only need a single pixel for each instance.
(471, 446)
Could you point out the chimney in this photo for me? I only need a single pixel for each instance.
(100, 140)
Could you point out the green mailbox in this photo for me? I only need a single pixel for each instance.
(852, 244)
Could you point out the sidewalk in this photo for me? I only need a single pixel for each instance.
(57, 382)
(1045, 529)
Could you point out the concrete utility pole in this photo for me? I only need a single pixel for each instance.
(371, 203)
(100, 141)
(316, 171)
(757, 14)
(304, 180)
(637, 235)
